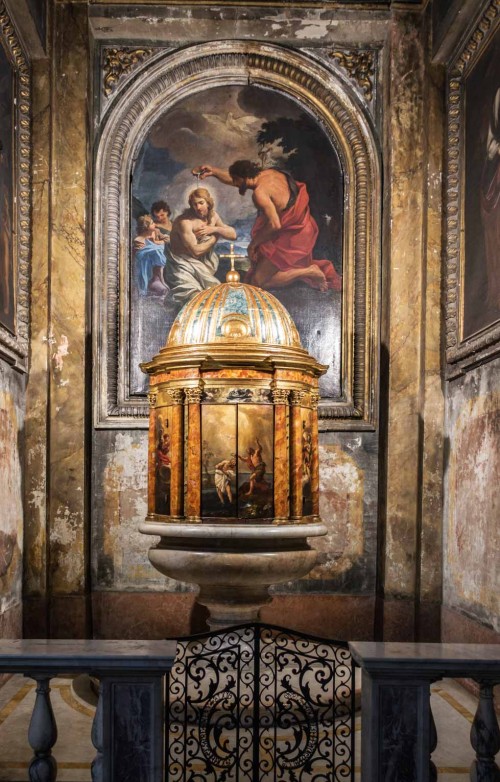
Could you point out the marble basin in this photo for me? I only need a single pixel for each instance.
(233, 564)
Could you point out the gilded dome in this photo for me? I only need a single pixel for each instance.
(234, 312)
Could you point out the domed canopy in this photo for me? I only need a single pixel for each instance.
(234, 312)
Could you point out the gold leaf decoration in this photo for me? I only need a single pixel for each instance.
(360, 66)
(118, 62)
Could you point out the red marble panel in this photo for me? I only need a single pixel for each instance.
(237, 374)
(146, 615)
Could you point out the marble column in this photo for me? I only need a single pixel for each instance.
(296, 398)
(193, 491)
(177, 454)
(281, 460)
(315, 454)
(152, 396)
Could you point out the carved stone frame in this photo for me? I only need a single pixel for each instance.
(463, 353)
(161, 83)
(14, 347)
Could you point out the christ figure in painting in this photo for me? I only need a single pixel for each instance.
(284, 233)
(192, 261)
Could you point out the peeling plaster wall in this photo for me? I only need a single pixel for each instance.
(12, 394)
(472, 499)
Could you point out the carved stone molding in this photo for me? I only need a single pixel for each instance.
(463, 353)
(163, 82)
(360, 66)
(118, 63)
(14, 347)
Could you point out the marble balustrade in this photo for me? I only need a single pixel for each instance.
(399, 733)
(127, 731)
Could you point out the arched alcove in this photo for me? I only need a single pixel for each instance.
(162, 85)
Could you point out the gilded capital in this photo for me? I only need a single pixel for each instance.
(296, 398)
(193, 395)
(152, 396)
(315, 397)
(176, 396)
(280, 396)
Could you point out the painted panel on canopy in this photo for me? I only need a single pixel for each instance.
(218, 461)
(255, 461)
(162, 465)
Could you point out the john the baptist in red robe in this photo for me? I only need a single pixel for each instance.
(292, 245)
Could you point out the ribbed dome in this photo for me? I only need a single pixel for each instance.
(234, 312)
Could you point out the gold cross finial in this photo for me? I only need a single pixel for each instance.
(232, 275)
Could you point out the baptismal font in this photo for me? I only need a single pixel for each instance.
(233, 473)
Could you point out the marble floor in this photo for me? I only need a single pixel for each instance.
(453, 709)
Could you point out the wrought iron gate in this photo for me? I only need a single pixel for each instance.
(258, 703)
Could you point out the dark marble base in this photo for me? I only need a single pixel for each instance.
(64, 616)
(162, 615)
(406, 620)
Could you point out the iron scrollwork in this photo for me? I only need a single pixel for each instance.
(257, 703)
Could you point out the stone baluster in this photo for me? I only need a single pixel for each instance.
(485, 737)
(281, 457)
(97, 737)
(193, 489)
(42, 734)
(433, 741)
(296, 398)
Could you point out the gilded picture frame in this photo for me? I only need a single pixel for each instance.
(473, 197)
(157, 80)
(15, 195)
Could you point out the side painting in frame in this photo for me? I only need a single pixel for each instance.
(7, 270)
(204, 178)
(481, 183)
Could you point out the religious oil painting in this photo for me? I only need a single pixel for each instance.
(255, 461)
(7, 265)
(247, 167)
(219, 461)
(481, 182)
(162, 457)
(237, 461)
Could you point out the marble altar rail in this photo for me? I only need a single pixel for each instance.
(399, 734)
(127, 731)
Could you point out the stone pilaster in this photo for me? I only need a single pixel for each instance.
(69, 268)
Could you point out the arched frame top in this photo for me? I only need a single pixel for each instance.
(161, 84)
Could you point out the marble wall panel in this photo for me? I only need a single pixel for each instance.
(67, 304)
(402, 295)
(12, 391)
(37, 402)
(472, 497)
